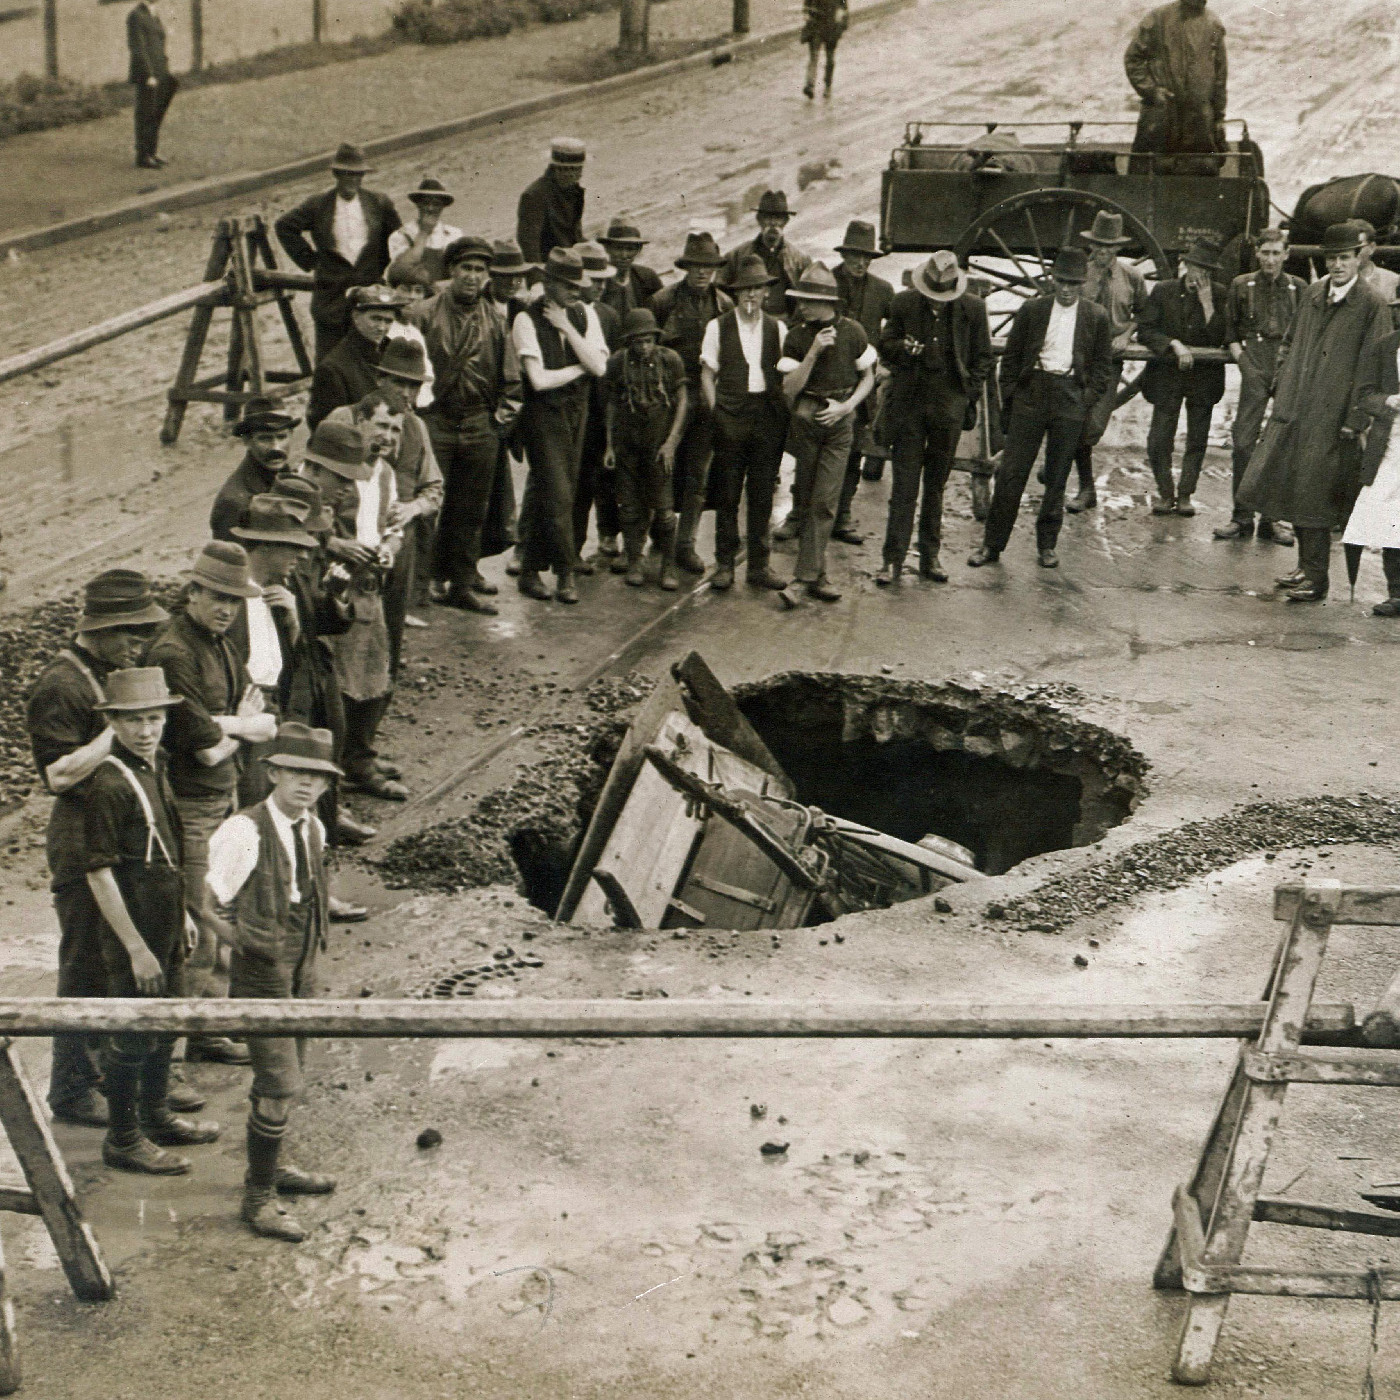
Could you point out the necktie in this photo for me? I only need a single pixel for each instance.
(303, 862)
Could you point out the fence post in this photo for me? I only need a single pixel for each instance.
(51, 38)
(633, 20)
(318, 19)
(741, 16)
(196, 35)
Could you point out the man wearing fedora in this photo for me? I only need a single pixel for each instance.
(149, 74)
(477, 401)
(222, 714)
(634, 285)
(1057, 363)
(133, 851)
(785, 262)
(596, 486)
(1118, 287)
(416, 249)
(683, 310)
(743, 389)
(550, 212)
(938, 346)
(645, 409)
(828, 369)
(341, 237)
(351, 370)
(266, 431)
(560, 346)
(509, 293)
(1303, 469)
(267, 878)
(1183, 312)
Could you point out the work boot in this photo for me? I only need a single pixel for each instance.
(217, 1050)
(982, 555)
(789, 529)
(166, 1130)
(889, 574)
(872, 468)
(374, 784)
(533, 586)
(670, 579)
(608, 546)
(621, 564)
(1236, 530)
(847, 535)
(1184, 506)
(88, 1110)
(181, 1097)
(513, 565)
(723, 579)
(586, 567)
(350, 831)
(688, 559)
(265, 1215)
(479, 583)
(824, 591)
(1390, 607)
(1087, 499)
(1047, 559)
(1273, 532)
(764, 577)
(1163, 505)
(931, 567)
(1307, 592)
(636, 577)
(1292, 580)
(292, 1181)
(143, 1156)
(564, 590)
(468, 601)
(342, 911)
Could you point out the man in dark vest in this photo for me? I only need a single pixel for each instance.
(596, 487)
(634, 285)
(149, 74)
(351, 370)
(938, 346)
(743, 388)
(550, 212)
(785, 262)
(349, 230)
(266, 430)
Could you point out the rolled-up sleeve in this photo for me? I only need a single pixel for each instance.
(233, 856)
(709, 347)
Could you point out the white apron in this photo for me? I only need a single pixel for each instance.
(1375, 518)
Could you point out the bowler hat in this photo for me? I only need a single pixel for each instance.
(860, 238)
(639, 322)
(274, 519)
(701, 250)
(403, 359)
(375, 295)
(469, 245)
(1107, 230)
(565, 265)
(1203, 252)
(302, 491)
(263, 415)
(507, 257)
(222, 567)
(1070, 265)
(430, 189)
(567, 150)
(620, 231)
(751, 272)
(815, 284)
(350, 157)
(595, 261)
(340, 447)
(119, 598)
(773, 202)
(940, 278)
(1341, 238)
(138, 688)
(298, 745)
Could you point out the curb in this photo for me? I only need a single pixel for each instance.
(221, 187)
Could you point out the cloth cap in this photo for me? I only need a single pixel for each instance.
(567, 150)
(298, 745)
(595, 261)
(860, 238)
(701, 250)
(469, 245)
(348, 156)
(428, 188)
(376, 295)
(138, 688)
(340, 447)
(565, 265)
(223, 568)
(940, 278)
(815, 284)
(274, 519)
(119, 598)
(264, 415)
(1071, 265)
(638, 322)
(773, 202)
(620, 231)
(403, 359)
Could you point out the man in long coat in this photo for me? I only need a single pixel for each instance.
(550, 211)
(1301, 469)
(1177, 65)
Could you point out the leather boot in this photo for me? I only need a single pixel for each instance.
(889, 574)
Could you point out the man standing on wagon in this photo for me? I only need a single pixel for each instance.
(1177, 65)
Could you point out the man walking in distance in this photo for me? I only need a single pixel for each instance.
(1182, 312)
(416, 249)
(785, 262)
(1258, 315)
(131, 835)
(1177, 65)
(743, 389)
(1299, 470)
(938, 345)
(644, 397)
(683, 310)
(1121, 290)
(267, 877)
(478, 397)
(560, 346)
(1058, 361)
(828, 369)
(634, 285)
(348, 246)
(351, 370)
(596, 487)
(550, 212)
(266, 431)
(149, 74)
(824, 23)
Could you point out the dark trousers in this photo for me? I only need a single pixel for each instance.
(362, 721)
(691, 477)
(644, 491)
(398, 592)
(1390, 562)
(81, 973)
(1095, 426)
(1162, 434)
(1039, 413)
(1256, 375)
(925, 441)
(820, 455)
(152, 103)
(468, 453)
(595, 486)
(552, 429)
(748, 450)
(1314, 553)
(331, 324)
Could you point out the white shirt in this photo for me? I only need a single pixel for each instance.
(349, 229)
(1057, 354)
(402, 239)
(401, 330)
(233, 852)
(264, 645)
(1335, 294)
(527, 340)
(750, 342)
(367, 511)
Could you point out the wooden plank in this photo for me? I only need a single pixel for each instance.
(10, 1372)
(42, 1163)
(1274, 1210)
(712, 707)
(18, 1200)
(1358, 904)
(1375, 1067)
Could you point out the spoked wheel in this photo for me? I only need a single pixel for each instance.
(1012, 245)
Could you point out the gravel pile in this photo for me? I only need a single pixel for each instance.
(28, 640)
(1175, 858)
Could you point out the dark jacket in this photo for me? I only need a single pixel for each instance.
(682, 314)
(145, 40)
(1379, 380)
(1182, 53)
(867, 301)
(549, 215)
(231, 504)
(345, 376)
(1174, 312)
(912, 314)
(317, 252)
(787, 264)
(634, 290)
(1093, 349)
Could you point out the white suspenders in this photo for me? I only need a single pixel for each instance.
(153, 836)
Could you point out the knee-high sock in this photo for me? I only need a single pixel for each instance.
(264, 1146)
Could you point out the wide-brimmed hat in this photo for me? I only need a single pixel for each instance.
(1341, 238)
(428, 188)
(138, 688)
(815, 284)
(1107, 230)
(302, 491)
(1070, 265)
(620, 231)
(701, 250)
(222, 567)
(298, 745)
(274, 519)
(773, 202)
(940, 278)
(565, 265)
(350, 157)
(119, 598)
(567, 150)
(263, 415)
(752, 272)
(639, 322)
(507, 257)
(860, 238)
(340, 447)
(469, 245)
(377, 294)
(403, 359)
(595, 261)
(1203, 252)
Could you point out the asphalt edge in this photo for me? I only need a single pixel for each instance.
(223, 187)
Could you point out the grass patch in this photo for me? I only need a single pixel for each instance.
(593, 64)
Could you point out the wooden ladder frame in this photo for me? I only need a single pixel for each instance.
(1213, 1213)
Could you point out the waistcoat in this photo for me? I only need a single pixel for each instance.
(261, 907)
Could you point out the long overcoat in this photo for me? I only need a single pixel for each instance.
(1299, 469)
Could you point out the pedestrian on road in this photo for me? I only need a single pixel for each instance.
(267, 875)
(938, 345)
(349, 229)
(645, 411)
(1258, 315)
(1177, 64)
(1375, 518)
(824, 22)
(828, 369)
(351, 370)
(416, 249)
(1185, 311)
(1118, 287)
(683, 310)
(149, 74)
(266, 429)
(550, 212)
(634, 284)
(785, 261)
(132, 840)
(1057, 364)
(743, 389)
(596, 486)
(1302, 470)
